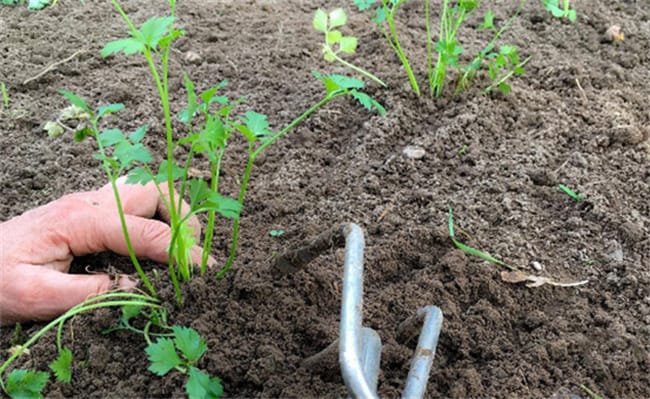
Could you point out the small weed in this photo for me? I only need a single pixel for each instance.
(276, 233)
(571, 193)
(563, 11)
(5, 95)
(589, 392)
(473, 251)
(326, 23)
(463, 149)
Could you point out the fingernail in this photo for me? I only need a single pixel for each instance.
(127, 282)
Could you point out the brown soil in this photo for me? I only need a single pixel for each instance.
(579, 117)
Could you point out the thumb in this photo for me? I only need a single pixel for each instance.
(42, 293)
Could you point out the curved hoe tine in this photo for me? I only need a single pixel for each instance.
(350, 344)
(416, 382)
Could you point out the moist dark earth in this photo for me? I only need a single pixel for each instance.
(579, 116)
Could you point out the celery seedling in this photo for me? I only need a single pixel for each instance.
(344, 44)
(125, 152)
(447, 46)
(385, 12)
(164, 356)
(553, 6)
(21, 383)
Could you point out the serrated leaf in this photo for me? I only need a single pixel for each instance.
(111, 137)
(127, 153)
(162, 355)
(138, 134)
(320, 20)
(225, 206)
(139, 175)
(154, 29)
(201, 386)
(337, 18)
(75, 100)
(61, 366)
(257, 124)
(27, 384)
(109, 109)
(166, 41)
(162, 176)
(367, 101)
(348, 44)
(190, 343)
(128, 46)
(380, 15)
(198, 192)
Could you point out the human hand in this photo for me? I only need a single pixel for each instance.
(37, 247)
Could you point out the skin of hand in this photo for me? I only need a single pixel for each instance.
(37, 247)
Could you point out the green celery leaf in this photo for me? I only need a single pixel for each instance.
(488, 21)
(201, 386)
(61, 366)
(190, 343)
(154, 29)
(363, 4)
(367, 101)
(111, 137)
(333, 36)
(320, 21)
(380, 15)
(128, 46)
(127, 153)
(225, 206)
(162, 355)
(75, 100)
(130, 311)
(37, 4)
(198, 193)
(348, 44)
(139, 175)
(162, 176)
(27, 384)
(109, 109)
(337, 18)
(257, 124)
(138, 134)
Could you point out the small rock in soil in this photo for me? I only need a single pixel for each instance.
(537, 266)
(614, 251)
(414, 152)
(193, 58)
(631, 231)
(627, 134)
(614, 34)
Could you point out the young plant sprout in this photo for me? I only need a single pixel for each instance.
(385, 15)
(563, 11)
(22, 383)
(5, 95)
(208, 135)
(501, 64)
(571, 193)
(326, 23)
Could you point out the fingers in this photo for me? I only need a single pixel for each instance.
(39, 293)
(149, 238)
(145, 201)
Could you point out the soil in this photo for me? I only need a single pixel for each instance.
(579, 116)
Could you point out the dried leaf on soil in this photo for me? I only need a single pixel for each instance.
(535, 281)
